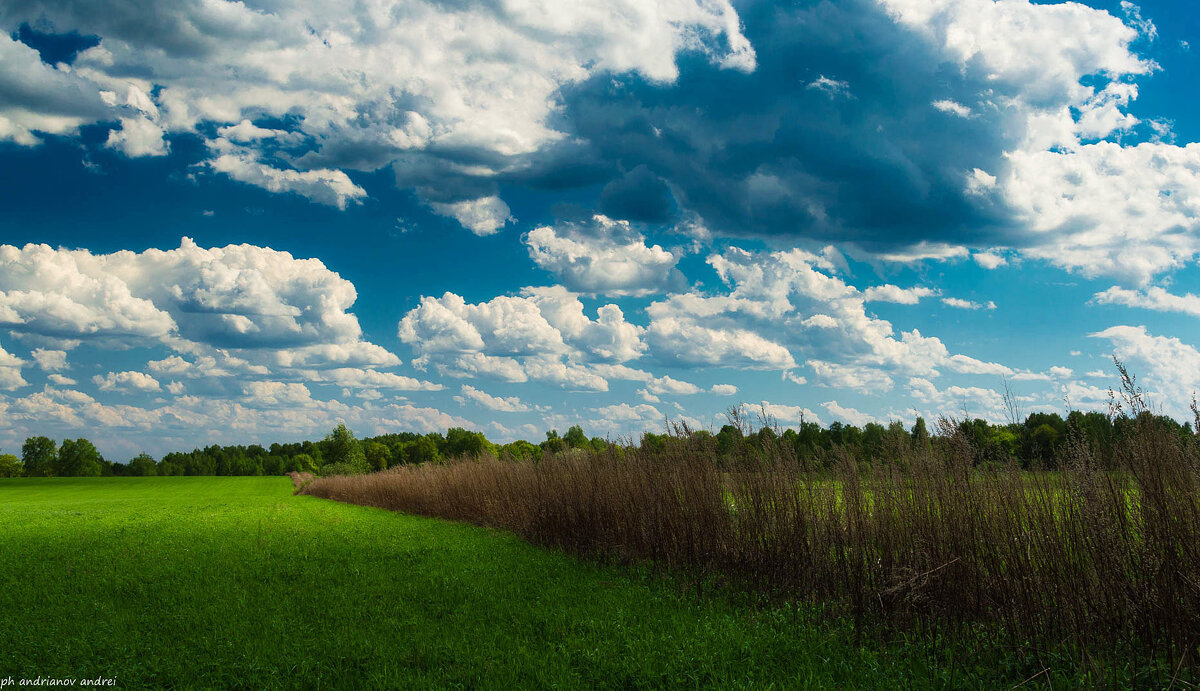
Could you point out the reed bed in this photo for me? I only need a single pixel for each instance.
(1098, 560)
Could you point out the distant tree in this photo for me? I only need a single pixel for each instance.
(654, 443)
(463, 442)
(423, 450)
(143, 465)
(303, 463)
(39, 455)
(520, 450)
(553, 443)
(344, 449)
(379, 456)
(11, 466)
(575, 438)
(78, 458)
(920, 435)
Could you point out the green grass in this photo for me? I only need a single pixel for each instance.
(233, 582)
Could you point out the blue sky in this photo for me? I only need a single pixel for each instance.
(244, 222)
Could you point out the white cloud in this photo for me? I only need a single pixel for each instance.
(138, 136)
(356, 378)
(41, 99)
(126, 381)
(61, 380)
(724, 389)
(782, 303)
(366, 86)
(850, 415)
(958, 401)
(482, 216)
(1170, 367)
(269, 394)
(666, 386)
(1059, 372)
(542, 335)
(246, 131)
(924, 251)
(989, 260)
(896, 294)
(832, 87)
(953, 108)
(603, 256)
(268, 304)
(50, 360)
(1152, 298)
(10, 371)
(323, 185)
(959, 303)
(786, 415)
(1106, 209)
(1096, 207)
(511, 404)
(867, 380)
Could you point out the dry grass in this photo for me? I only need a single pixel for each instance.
(1100, 561)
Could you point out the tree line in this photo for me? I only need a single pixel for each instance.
(1036, 442)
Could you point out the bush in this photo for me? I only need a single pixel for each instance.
(331, 469)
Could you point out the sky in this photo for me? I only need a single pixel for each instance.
(244, 222)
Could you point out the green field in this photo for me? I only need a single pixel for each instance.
(233, 582)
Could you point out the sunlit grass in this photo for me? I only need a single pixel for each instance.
(199, 582)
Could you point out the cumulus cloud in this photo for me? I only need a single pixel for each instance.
(786, 415)
(542, 334)
(896, 294)
(959, 303)
(239, 297)
(126, 381)
(959, 401)
(782, 305)
(511, 404)
(482, 216)
(50, 360)
(1170, 368)
(1108, 209)
(323, 185)
(603, 256)
(468, 86)
(1152, 298)
(850, 415)
(989, 260)
(38, 99)
(138, 136)
(10, 371)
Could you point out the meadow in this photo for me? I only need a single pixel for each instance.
(233, 582)
(1090, 571)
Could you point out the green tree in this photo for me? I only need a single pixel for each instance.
(78, 458)
(462, 442)
(11, 466)
(575, 438)
(379, 456)
(303, 463)
(39, 455)
(143, 465)
(423, 450)
(344, 450)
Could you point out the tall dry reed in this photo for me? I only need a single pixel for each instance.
(1090, 558)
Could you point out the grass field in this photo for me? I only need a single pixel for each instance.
(233, 582)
